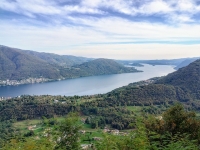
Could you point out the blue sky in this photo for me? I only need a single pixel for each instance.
(119, 29)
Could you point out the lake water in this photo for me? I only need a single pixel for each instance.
(86, 85)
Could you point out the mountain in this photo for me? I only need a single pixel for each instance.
(104, 66)
(61, 60)
(181, 86)
(178, 63)
(187, 78)
(16, 64)
(185, 63)
(99, 66)
(174, 62)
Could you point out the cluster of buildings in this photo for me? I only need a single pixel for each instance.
(4, 98)
(24, 81)
(142, 83)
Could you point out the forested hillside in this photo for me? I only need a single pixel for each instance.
(97, 67)
(187, 78)
(182, 86)
(18, 64)
(118, 110)
(60, 60)
(185, 63)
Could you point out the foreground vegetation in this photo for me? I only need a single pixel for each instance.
(142, 109)
(174, 129)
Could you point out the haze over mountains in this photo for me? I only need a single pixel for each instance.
(177, 63)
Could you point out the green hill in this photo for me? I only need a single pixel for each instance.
(61, 60)
(96, 67)
(187, 78)
(185, 63)
(182, 85)
(16, 64)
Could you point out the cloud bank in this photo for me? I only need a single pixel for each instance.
(122, 29)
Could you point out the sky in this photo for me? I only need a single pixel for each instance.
(116, 29)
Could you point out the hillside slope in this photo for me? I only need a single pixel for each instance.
(185, 63)
(16, 65)
(61, 60)
(104, 66)
(187, 77)
(96, 67)
(182, 85)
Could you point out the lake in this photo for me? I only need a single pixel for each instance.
(86, 85)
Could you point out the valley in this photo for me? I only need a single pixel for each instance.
(86, 85)
(25, 67)
(118, 110)
(105, 100)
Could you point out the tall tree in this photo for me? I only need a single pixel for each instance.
(68, 133)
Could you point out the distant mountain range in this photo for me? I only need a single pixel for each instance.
(60, 60)
(16, 64)
(178, 63)
(182, 86)
(186, 62)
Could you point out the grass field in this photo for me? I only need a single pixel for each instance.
(23, 125)
(135, 109)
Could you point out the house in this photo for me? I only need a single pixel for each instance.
(97, 138)
(106, 130)
(115, 132)
(85, 146)
(159, 117)
(82, 131)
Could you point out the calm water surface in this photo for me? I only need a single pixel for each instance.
(86, 85)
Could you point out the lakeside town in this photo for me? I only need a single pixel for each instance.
(24, 81)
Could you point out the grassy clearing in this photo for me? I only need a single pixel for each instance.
(23, 125)
(80, 101)
(87, 138)
(135, 109)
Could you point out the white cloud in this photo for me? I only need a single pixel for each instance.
(30, 7)
(101, 36)
(92, 3)
(181, 18)
(182, 10)
(157, 6)
(81, 9)
(104, 31)
(185, 5)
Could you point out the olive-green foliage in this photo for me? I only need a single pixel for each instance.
(7, 131)
(67, 133)
(176, 126)
(30, 107)
(178, 129)
(29, 144)
(187, 78)
(16, 64)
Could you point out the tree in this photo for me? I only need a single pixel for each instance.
(68, 133)
(175, 128)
